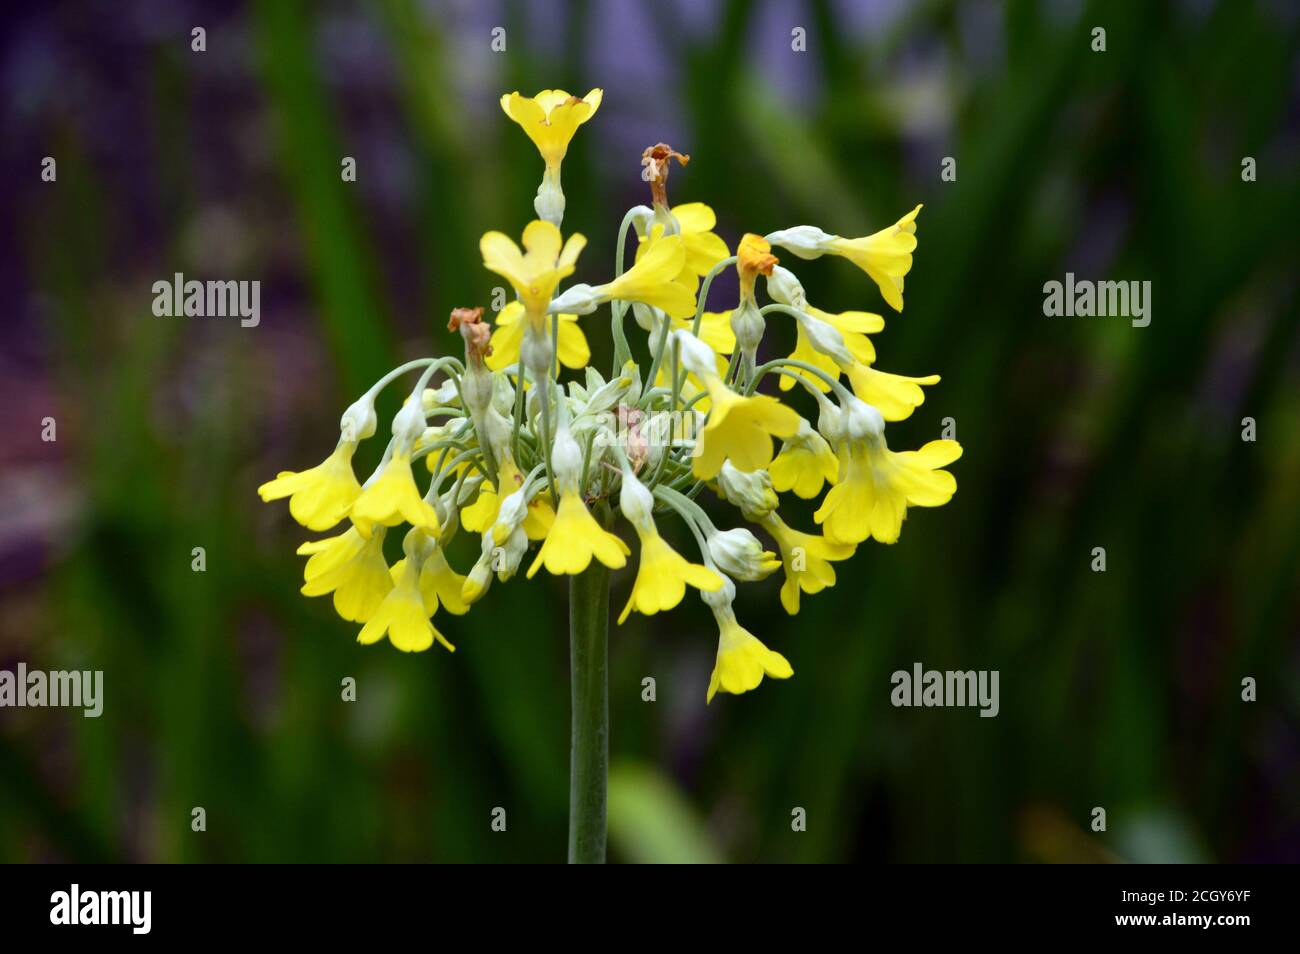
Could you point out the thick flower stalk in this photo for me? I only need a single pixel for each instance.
(518, 441)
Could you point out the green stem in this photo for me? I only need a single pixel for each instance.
(589, 746)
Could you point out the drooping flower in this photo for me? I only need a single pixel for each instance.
(663, 574)
(806, 558)
(805, 463)
(392, 498)
(704, 248)
(352, 567)
(650, 281)
(440, 585)
(742, 659)
(886, 256)
(877, 485)
(403, 616)
(896, 396)
(320, 497)
(575, 539)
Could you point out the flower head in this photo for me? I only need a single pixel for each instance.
(528, 446)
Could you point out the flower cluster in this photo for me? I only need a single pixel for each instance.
(518, 458)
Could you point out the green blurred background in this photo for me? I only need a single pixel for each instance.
(1118, 689)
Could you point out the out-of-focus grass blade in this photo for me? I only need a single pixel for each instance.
(651, 821)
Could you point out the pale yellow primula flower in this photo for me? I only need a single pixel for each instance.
(742, 659)
(805, 463)
(535, 271)
(886, 256)
(575, 539)
(740, 428)
(320, 497)
(652, 280)
(704, 249)
(551, 118)
(877, 485)
(806, 558)
(392, 498)
(403, 616)
(352, 567)
(663, 575)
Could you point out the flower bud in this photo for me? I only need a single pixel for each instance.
(566, 458)
(444, 395)
(805, 241)
(862, 421)
(636, 502)
(751, 492)
(826, 338)
(576, 300)
(697, 357)
(549, 202)
(359, 420)
(785, 288)
(748, 325)
(830, 420)
(408, 423)
(738, 554)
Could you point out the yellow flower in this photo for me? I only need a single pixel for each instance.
(508, 338)
(715, 330)
(575, 538)
(742, 660)
(534, 273)
(352, 567)
(402, 615)
(662, 577)
(805, 463)
(704, 249)
(885, 256)
(440, 585)
(482, 513)
(806, 558)
(551, 118)
(876, 486)
(652, 279)
(740, 428)
(393, 497)
(854, 326)
(895, 396)
(320, 497)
